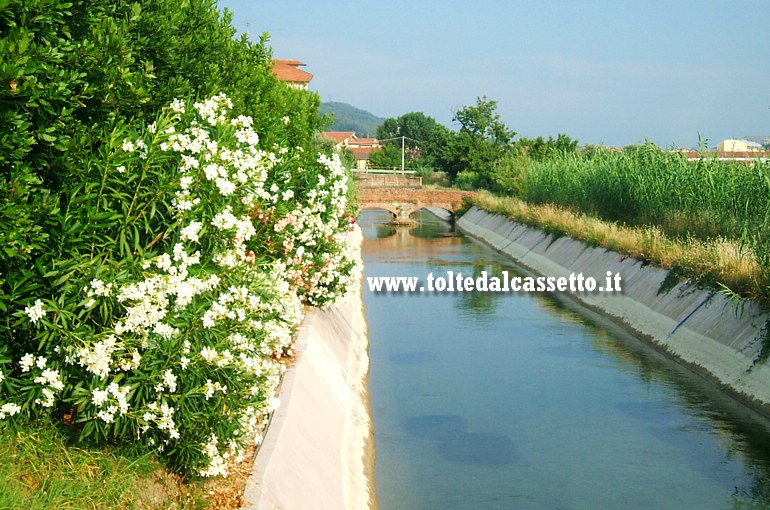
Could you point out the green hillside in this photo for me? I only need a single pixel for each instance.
(350, 118)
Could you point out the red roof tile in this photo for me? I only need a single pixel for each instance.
(362, 153)
(339, 136)
(289, 71)
(368, 141)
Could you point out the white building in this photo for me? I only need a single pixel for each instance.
(733, 145)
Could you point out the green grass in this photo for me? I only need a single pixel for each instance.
(39, 469)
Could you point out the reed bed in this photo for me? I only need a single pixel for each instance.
(707, 219)
(644, 185)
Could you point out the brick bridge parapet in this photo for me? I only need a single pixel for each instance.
(402, 202)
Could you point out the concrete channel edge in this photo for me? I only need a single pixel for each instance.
(316, 451)
(702, 328)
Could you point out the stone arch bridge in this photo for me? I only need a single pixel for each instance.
(401, 202)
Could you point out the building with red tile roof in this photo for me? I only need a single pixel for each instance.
(361, 148)
(341, 139)
(289, 71)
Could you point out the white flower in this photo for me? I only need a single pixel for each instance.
(244, 229)
(128, 146)
(213, 387)
(99, 288)
(209, 319)
(164, 262)
(121, 169)
(226, 187)
(99, 359)
(242, 120)
(35, 312)
(9, 409)
(209, 354)
(99, 397)
(187, 181)
(106, 416)
(47, 400)
(225, 220)
(169, 379)
(51, 378)
(272, 404)
(120, 395)
(227, 358)
(212, 171)
(165, 330)
(177, 105)
(26, 362)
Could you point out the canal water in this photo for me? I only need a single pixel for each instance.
(500, 401)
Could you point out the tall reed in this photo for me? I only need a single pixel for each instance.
(705, 198)
(644, 186)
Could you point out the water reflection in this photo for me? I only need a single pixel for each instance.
(495, 400)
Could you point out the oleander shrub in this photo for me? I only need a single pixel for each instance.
(73, 72)
(163, 223)
(187, 257)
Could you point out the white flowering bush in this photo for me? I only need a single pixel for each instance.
(192, 252)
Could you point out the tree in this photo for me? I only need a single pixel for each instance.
(540, 149)
(481, 140)
(387, 157)
(424, 139)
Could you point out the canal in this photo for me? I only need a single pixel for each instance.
(498, 401)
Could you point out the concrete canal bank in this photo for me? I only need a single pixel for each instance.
(699, 327)
(317, 452)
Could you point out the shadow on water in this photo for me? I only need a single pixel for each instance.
(452, 440)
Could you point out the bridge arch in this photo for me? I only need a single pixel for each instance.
(402, 202)
(383, 207)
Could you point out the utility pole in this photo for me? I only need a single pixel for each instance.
(403, 150)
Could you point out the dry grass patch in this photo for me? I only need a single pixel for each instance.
(717, 261)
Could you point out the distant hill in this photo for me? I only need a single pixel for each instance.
(350, 118)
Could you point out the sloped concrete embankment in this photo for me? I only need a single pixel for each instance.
(316, 450)
(702, 328)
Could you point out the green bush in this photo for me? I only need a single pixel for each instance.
(154, 256)
(467, 180)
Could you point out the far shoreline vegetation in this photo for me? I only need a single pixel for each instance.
(706, 219)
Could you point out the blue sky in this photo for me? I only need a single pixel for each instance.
(603, 72)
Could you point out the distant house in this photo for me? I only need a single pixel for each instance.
(361, 148)
(734, 150)
(289, 71)
(733, 145)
